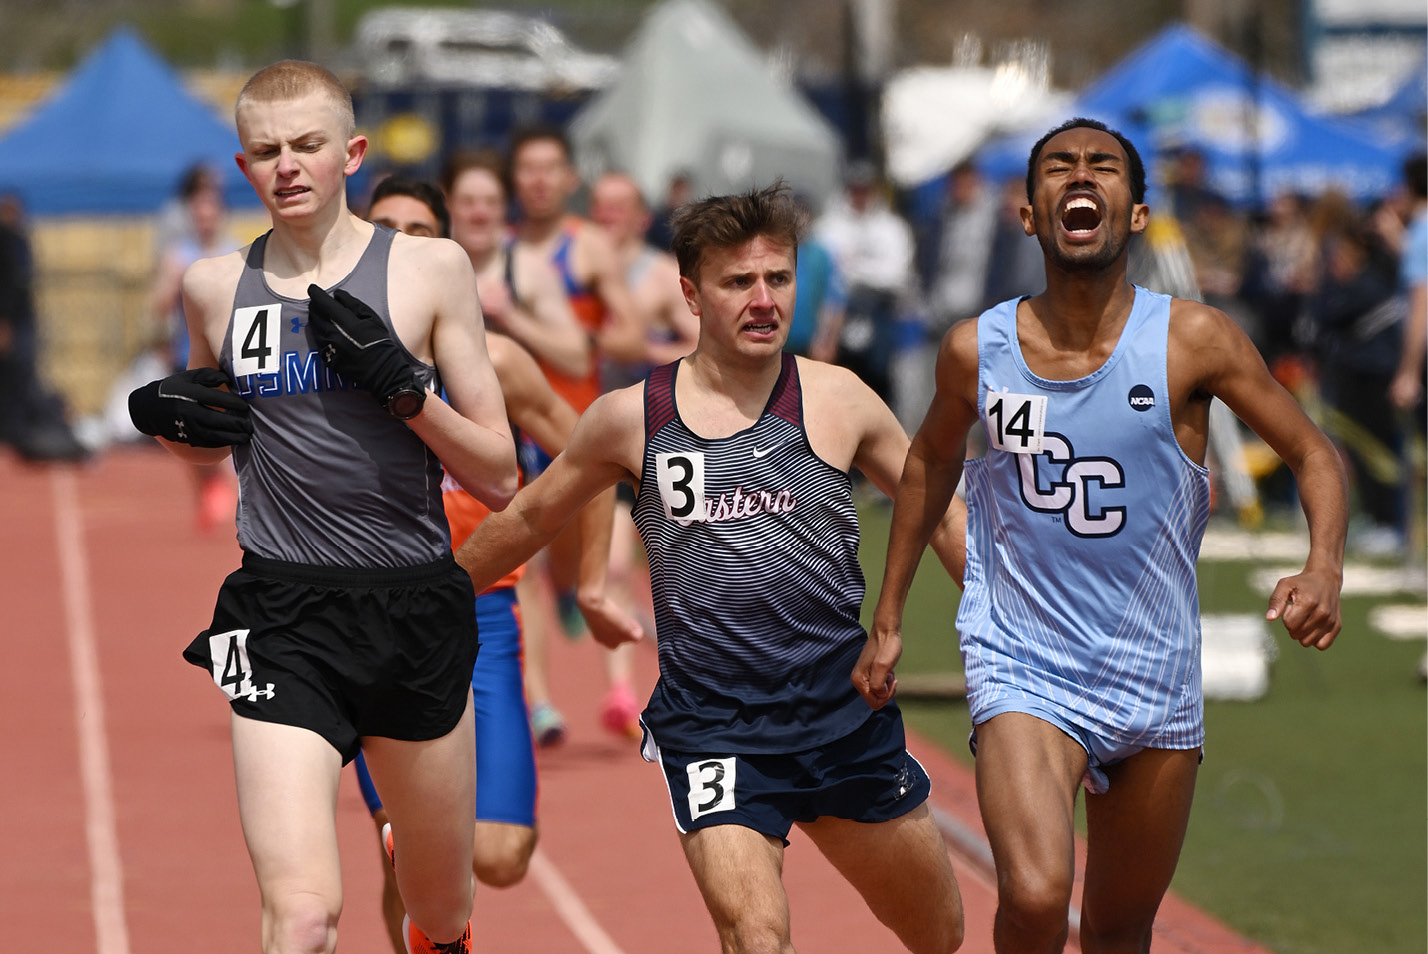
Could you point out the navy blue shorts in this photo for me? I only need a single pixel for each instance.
(866, 776)
(344, 652)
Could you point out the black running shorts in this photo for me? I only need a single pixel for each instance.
(344, 652)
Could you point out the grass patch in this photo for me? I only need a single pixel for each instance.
(1310, 830)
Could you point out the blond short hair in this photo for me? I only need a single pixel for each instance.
(288, 80)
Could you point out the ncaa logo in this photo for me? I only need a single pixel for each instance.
(1141, 397)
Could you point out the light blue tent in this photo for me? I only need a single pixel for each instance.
(1182, 90)
(116, 137)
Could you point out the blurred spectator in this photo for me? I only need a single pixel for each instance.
(1357, 315)
(821, 300)
(174, 221)
(1015, 266)
(652, 275)
(1185, 184)
(200, 233)
(681, 190)
(873, 248)
(32, 417)
(1216, 235)
(1407, 390)
(957, 248)
(1279, 273)
(1218, 239)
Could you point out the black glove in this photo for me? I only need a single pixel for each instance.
(188, 407)
(357, 345)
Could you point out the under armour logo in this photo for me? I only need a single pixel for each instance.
(329, 351)
(179, 428)
(297, 324)
(254, 694)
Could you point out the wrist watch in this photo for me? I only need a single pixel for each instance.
(406, 403)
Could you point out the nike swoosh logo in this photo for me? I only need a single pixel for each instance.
(764, 452)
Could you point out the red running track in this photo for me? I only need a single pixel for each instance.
(121, 823)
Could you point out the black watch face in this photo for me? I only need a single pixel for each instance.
(405, 405)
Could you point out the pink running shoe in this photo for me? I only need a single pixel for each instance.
(620, 713)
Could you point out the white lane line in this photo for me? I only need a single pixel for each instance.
(106, 885)
(571, 909)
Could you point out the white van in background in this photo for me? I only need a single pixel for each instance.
(485, 48)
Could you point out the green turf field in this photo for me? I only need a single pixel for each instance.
(1310, 826)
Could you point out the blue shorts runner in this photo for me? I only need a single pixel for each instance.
(505, 752)
(867, 776)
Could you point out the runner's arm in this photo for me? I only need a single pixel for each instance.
(203, 290)
(1228, 366)
(470, 434)
(596, 457)
(923, 504)
(543, 322)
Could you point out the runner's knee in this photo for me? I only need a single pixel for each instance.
(943, 936)
(755, 936)
(300, 924)
(505, 863)
(1034, 902)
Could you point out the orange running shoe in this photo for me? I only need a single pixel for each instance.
(419, 943)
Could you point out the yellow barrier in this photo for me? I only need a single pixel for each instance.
(93, 285)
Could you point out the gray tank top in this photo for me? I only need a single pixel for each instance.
(330, 478)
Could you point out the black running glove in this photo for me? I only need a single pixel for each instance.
(190, 408)
(357, 345)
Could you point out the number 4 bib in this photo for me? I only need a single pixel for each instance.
(1016, 423)
(255, 339)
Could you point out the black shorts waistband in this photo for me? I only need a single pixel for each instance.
(350, 575)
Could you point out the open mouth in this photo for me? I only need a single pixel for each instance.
(289, 193)
(761, 328)
(1080, 216)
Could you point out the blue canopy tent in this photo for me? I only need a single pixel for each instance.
(1399, 121)
(116, 137)
(1182, 90)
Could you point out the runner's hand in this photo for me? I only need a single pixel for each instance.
(356, 344)
(608, 623)
(1308, 604)
(191, 408)
(873, 674)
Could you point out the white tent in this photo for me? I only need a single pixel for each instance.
(695, 96)
(934, 117)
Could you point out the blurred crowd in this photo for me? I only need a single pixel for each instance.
(1331, 292)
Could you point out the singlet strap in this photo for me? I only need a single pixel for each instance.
(659, 398)
(508, 272)
(786, 401)
(561, 259)
(255, 251)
